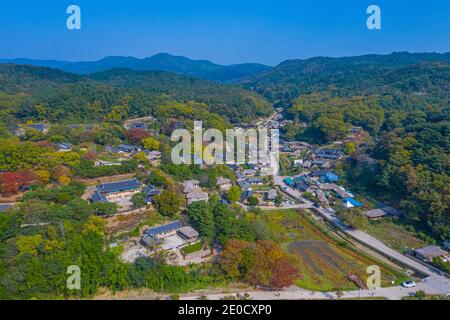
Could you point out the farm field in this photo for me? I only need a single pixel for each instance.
(324, 261)
(394, 235)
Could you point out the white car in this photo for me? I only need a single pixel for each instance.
(408, 284)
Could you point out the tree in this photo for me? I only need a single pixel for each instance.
(262, 263)
(202, 218)
(279, 200)
(157, 179)
(141, 157)
(150, 143)
(284, 273)
(138, 200)
(136, 135)
(355, 218)
(234, 194)
(253, 201)
(105, 208)
(12, 182)
(44, 176)
(420, 295)
(168, 203)
(350, 148)
(230, 226)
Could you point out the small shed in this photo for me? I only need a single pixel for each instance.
(429, 253)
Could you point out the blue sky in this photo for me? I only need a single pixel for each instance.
(224, 31)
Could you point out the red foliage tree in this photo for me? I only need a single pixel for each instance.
(12, 182)
(136, 135)
(284, 273)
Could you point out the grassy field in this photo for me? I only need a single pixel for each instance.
(324, 261)
(394, 235)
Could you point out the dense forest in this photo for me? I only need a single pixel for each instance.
(42, 94)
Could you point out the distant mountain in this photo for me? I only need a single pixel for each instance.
(163, 62)
(346, 76)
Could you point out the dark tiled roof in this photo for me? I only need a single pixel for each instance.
(98, 197)
(5, 207)
(37, 126)
(119, 186)
(151, 191)
(139, 125)
(163, 229)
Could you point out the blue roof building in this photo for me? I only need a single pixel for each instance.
(289, 181)
(119, 186)
(351, 203)
(329, 177)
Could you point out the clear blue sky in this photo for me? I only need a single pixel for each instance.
(224, 31)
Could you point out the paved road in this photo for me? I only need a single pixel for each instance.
(431, 286)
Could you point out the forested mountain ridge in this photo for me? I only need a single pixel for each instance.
(348, 76)
(44, 94)
(202, 69)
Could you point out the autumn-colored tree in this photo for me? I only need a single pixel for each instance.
(12, 182)
(263, 263)
(43, 175)
(231, 259)
(62, 175)
(151, 143)
(90, 155)
(284, 273)
(136, 135)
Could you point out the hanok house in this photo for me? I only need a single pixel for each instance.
(250, 172)
(114, 190)
(375, 214)
(153, 156)
(331, 154)
(255, 181)
(150, 192)
(430, 253)
(64, 147)
(123, 149)
(39, 127)
(139, 125)
(270, 196)
(196, 196)
(224, 184)
(188, 233)
(321, 197)
(190, 186)
(243, 185)
(153, 235)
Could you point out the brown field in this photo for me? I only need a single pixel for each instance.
(324, 260)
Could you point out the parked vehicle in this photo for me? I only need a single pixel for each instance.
(408, 284)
